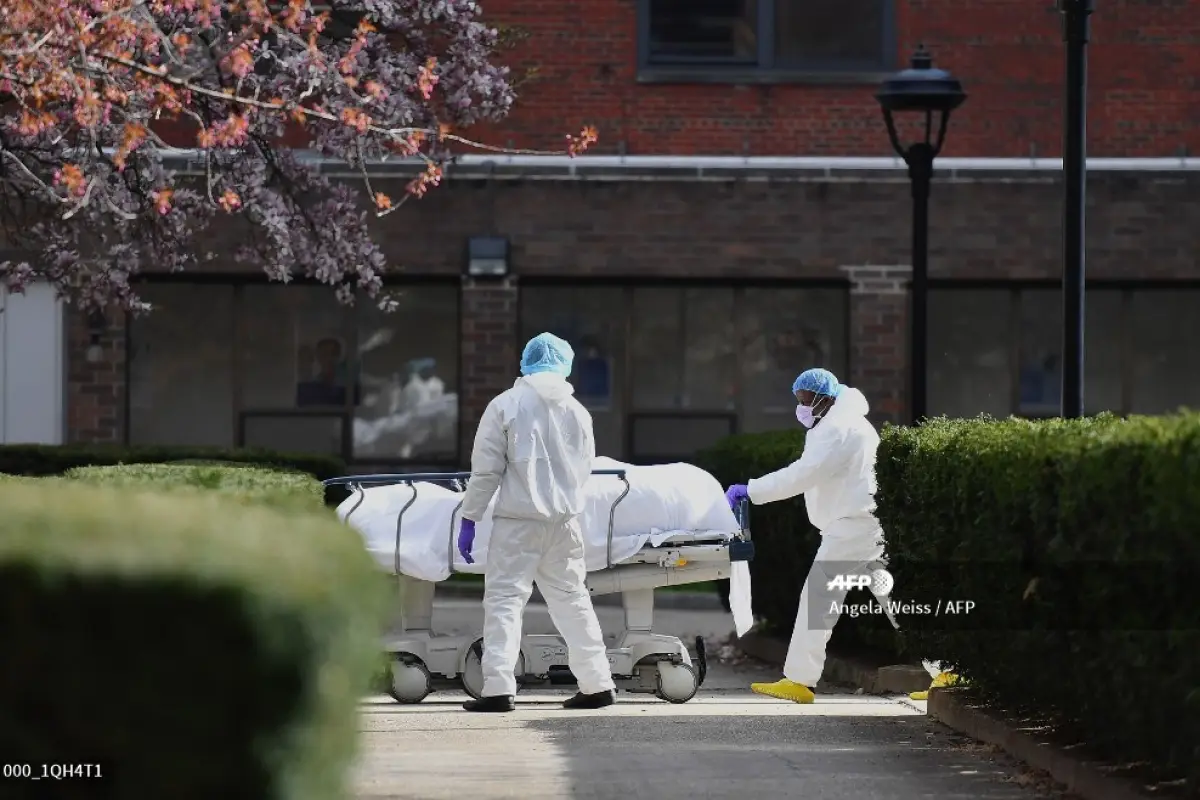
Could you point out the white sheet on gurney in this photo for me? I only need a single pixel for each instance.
(664, 500)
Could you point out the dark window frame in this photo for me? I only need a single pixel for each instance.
(242, 412)
(764, 70)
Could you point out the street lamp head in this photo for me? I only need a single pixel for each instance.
(921, 89)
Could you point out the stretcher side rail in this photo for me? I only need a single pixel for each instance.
(356, 483)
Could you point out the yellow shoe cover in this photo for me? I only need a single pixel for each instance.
(785, 690)
(943, 680)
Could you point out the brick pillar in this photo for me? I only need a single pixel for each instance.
(489, 350)
(879, 308)
(95, 387)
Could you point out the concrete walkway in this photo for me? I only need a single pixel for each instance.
(725, 743)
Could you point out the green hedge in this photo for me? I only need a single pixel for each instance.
(1080, 541)
(190, 647)
(1076, 539)
(242, 484)
(39, 460)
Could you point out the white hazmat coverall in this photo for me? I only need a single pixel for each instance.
(535, 446)
(836, 475)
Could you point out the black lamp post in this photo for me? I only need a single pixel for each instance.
(934, 93)
(1075, 34)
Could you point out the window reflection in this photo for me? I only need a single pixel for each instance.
(409, 363)
(289, 368)
(1163, 330)
(181, 367)
(592, 319)
(784, 332)
(696, 355)
(999, 352)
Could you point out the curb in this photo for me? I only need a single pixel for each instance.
(1079, 777)
(679, 601)
(893, 679)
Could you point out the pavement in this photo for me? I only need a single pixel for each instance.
(724, 743)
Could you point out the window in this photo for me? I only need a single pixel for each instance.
(1162, 331)
(970, 361)
(785, 331)
(408, 367)
(824, 36)
(288, 368)
(181, 358)
(684, 368)
(999, 351)
(683, 349)
(593, 320)
(701, 362)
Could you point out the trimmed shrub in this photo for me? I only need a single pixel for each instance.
(189, 647)
(37, 460)
(1077, 540)
(240, 483)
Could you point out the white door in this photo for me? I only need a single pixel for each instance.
(32, 366)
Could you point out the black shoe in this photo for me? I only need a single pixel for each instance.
(492, 705)
(597, 700)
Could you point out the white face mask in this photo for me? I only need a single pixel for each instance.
(804, 415)
(808, 416)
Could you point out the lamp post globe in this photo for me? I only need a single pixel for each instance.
(935, 94)
(921, 87)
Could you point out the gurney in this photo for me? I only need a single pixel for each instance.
(410, 525)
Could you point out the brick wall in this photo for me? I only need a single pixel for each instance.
(1008, 53)
(489, 349)
(879, 341)
(95, 388)
(807, 226)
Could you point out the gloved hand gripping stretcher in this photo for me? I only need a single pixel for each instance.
(643, 527)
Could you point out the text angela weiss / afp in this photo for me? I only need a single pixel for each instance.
(899, 609)
(881, 583)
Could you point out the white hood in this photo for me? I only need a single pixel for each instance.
(851, 402)
(551, 386)
(836, 471)
(533, 452)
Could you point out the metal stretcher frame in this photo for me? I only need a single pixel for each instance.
(356, 484)
(641, 660)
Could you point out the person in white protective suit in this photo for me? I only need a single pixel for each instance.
(836, 475)
(423, 386)
(535, 447)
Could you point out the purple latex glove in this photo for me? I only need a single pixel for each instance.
(736, 494)
(466, 538)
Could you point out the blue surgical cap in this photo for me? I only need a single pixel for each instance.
(817, 381)
(547, 353)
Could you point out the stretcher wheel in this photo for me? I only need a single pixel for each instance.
(411, 682)
(675, 683)
(472, 674)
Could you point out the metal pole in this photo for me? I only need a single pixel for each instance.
(1076, 15)
(920, 172)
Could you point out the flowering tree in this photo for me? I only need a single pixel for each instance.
(87, 85)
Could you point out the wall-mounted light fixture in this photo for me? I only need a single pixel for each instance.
(487, 257)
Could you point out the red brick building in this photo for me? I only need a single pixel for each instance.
(741, 219)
